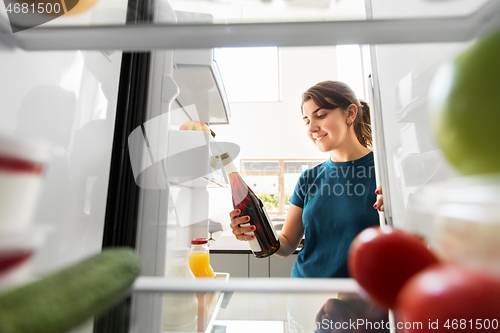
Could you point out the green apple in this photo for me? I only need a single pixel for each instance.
(465, 108)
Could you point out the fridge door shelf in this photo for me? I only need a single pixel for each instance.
(419, 168)
(412, 89)
(201, 85)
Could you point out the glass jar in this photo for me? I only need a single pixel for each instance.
(199, 259)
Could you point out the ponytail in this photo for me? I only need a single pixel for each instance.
(362, 125)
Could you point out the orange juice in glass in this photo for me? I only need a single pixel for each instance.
(199, 259)
(199, 262)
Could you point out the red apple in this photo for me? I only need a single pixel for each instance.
(383, 259)
(194, 126)
(448, 298)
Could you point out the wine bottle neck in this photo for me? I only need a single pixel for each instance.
(228, 164)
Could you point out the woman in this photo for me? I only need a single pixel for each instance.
(333, 201)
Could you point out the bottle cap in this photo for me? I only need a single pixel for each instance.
(180, 252)
(198, 241)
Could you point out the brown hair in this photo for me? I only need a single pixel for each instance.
(334, 94)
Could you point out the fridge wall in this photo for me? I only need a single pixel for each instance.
(174, 168)
(68, 100)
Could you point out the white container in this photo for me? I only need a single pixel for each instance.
(22, 163)
(465, 220)
(17, 249)
(180, 310)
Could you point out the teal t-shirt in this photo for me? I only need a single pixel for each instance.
(337, 201)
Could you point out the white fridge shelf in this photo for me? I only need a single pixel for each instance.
(142, 37)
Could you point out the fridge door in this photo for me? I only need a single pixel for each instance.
(407, 153)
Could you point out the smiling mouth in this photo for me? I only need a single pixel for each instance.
(319, 138)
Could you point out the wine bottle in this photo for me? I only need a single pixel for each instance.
(266, 241)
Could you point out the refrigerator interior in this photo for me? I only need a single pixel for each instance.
(53, 90)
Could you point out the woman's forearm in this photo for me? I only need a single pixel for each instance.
(286, 248)
(292, 232)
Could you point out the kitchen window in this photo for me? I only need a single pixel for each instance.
(353, 68)
(251, 74)
(274, 180)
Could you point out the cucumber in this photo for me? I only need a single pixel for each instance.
(66, 299)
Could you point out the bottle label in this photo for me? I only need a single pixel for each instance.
(254, 244)
(228, 163)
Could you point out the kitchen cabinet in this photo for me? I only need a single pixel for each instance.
(247, 265)
(234, 264)
(258, 267)
(233, 256)
(281, 267)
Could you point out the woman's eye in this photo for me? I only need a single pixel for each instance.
(321, 116)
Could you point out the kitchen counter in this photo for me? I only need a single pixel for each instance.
(227, 254)
(226, 242)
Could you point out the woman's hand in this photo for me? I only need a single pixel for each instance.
(240, 232)
(379, 204)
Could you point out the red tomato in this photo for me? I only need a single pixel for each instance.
(383, 259)
(447, 298)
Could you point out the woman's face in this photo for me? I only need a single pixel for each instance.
(326, 128)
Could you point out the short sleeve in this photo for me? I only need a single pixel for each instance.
(299, 193)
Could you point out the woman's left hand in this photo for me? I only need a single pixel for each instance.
(379, 204)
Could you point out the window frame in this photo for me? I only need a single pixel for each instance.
(280, 173)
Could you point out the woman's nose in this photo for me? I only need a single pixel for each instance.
(313, 128)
